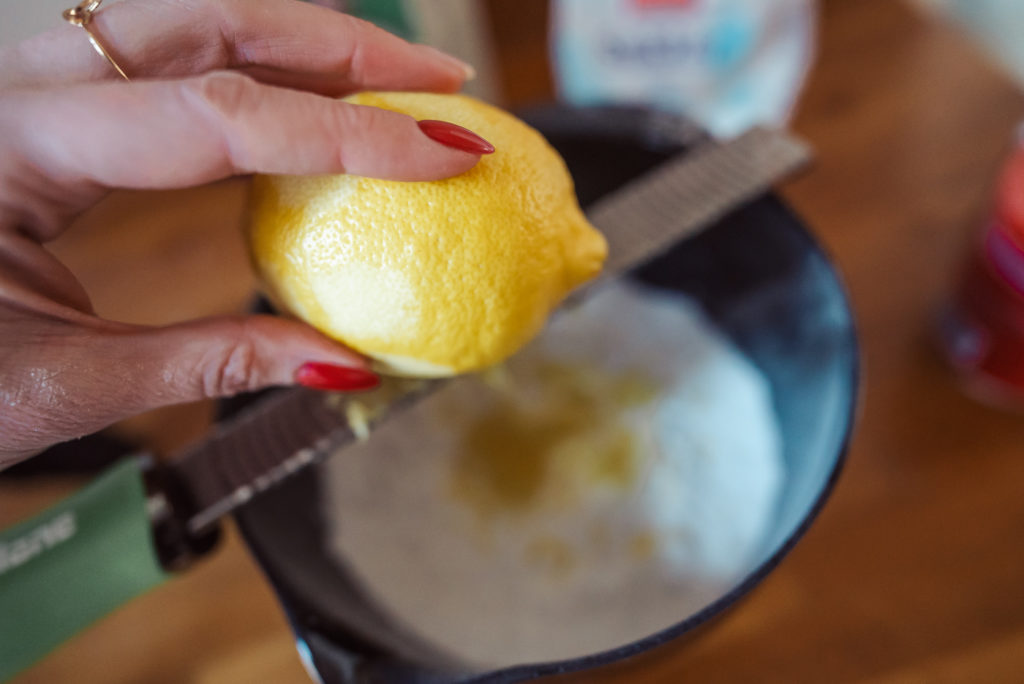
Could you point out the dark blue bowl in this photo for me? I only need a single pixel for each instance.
(766, 283)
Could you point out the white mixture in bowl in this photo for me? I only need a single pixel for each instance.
(615, 477)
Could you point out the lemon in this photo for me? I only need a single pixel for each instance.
(435, 278)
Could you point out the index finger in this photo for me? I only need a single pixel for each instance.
(280, 42)
(61, 150)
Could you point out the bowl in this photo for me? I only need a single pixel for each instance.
(763, 280)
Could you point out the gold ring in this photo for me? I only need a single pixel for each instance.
(81, 15)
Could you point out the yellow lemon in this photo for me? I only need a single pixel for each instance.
(430, 278)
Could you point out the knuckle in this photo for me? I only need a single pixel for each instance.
(235, 370)
(360, 122)
(225, 99)
(359, 119)
(225, 93)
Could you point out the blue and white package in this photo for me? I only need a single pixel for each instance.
(727, 64)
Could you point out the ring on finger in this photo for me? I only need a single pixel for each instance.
(81, 15)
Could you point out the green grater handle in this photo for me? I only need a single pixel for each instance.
(74, 563)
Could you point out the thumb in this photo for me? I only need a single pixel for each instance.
(221, 357)
(76, 379)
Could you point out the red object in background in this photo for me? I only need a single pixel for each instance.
(983, 331)
(1010, 210)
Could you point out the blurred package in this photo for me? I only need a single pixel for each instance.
(997, 24)
(727, 64)
(459, 27)
(983, 326)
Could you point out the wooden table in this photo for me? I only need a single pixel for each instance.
(915, 570)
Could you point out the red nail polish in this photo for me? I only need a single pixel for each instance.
(326, 376)
(458, 137)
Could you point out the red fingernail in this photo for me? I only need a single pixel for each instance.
(458, 137)
(326, 376)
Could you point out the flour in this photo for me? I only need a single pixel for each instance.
(617, 476)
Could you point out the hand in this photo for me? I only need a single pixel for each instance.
(219, 89)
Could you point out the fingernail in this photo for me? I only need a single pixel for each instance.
(327, 376)
(467, 69)
(454, 136)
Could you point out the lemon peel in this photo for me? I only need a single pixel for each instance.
(436, 278)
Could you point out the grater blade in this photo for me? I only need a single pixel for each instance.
(689, 193)
(295, 427)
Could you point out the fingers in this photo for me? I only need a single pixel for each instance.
(73, 380)
(282, 42)
(66, 147)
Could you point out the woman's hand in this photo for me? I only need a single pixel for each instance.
(219, 89)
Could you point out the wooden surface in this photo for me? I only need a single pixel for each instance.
(915, 570)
